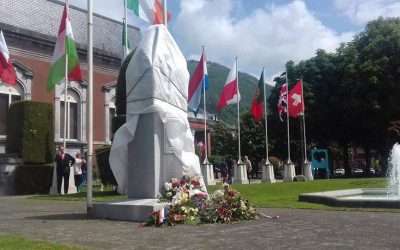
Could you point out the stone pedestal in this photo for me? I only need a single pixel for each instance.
(207, 170)
(127, 210)
(8, 164)
(53, 189)
(268, 175)
(240, 174)
(308, 171)
(152, 163)
(71, 185)
(289, 172)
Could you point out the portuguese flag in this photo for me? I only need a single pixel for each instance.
(65, 46)
(257, 104)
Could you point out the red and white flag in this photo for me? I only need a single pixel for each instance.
(282, 103)
(230, 93)
(7, 71)
(296, 100)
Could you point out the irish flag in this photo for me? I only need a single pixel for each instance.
(150, 11)
(65, 46)
(230, 93)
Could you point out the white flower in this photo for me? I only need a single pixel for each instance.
(168, 186)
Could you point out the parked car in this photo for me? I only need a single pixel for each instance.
(357, 171)
(372, 170)
(340, 171)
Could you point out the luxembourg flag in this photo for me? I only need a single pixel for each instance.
(230, 94)
(200, 77)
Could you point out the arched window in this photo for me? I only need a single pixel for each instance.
(8, 95)
(72, 107)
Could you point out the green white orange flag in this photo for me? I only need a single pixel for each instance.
(150, 11)
(65, 46)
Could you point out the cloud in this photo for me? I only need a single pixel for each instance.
(362, 11)
(269, 36)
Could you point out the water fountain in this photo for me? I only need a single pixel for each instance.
(384, 197)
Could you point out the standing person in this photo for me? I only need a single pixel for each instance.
(78, 170)
(230, 162)
(247, 163)
(84, 173)
(223, 167)
(64, 162)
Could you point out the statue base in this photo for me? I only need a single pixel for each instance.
(127, 210)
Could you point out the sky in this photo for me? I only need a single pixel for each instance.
(261, 33)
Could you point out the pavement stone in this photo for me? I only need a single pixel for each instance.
(66, 223)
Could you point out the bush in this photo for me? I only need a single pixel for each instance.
(106, 174)
(216, 160)
(33, 179)
(30, 131)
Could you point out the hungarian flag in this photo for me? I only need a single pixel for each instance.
(7, 71)
(257, 104)
(296, 100)
(200, 77)
(150, 11)
(65, 46)
(282, 103)
(230, 93)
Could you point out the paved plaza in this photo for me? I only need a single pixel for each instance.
(66, 223)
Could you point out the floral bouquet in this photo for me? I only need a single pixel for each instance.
(191, 205)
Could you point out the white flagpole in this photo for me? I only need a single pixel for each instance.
(287, 116)
(89, 107)
(66, 84)
(238, 111)
(304, 122)
(265, 119)
(165, 13)
(126, 49)
(205, 111)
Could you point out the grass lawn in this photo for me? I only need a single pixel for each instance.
(277, 195)
(13, 242)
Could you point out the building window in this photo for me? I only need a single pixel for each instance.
(112, 113)
(72, 115)
(8, 95)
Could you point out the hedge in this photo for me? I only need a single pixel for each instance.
(33, 179)
(106, 174)
(30, 131)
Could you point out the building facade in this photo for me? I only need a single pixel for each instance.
(30, 28)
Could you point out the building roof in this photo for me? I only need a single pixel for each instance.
(43, 17)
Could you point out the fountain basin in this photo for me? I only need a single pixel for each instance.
(371, 198)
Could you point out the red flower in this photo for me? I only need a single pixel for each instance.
(175, 185)
(231, 193)
(183, 182)
(195, 182)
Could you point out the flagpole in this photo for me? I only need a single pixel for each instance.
(287, 116)
(205, 111)
(304, 122)
(165, 13)
(265, 120)
(66, 85)
(126, 31)
(238, 111)
(89, 197)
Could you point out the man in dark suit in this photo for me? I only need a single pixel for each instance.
(64, 162)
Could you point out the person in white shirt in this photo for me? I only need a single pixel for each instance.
(78, 170)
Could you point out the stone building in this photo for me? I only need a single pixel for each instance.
(30, 28)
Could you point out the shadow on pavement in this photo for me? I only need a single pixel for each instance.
(72, 216)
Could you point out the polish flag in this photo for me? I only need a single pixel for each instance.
(230, 93)
(7, 71)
